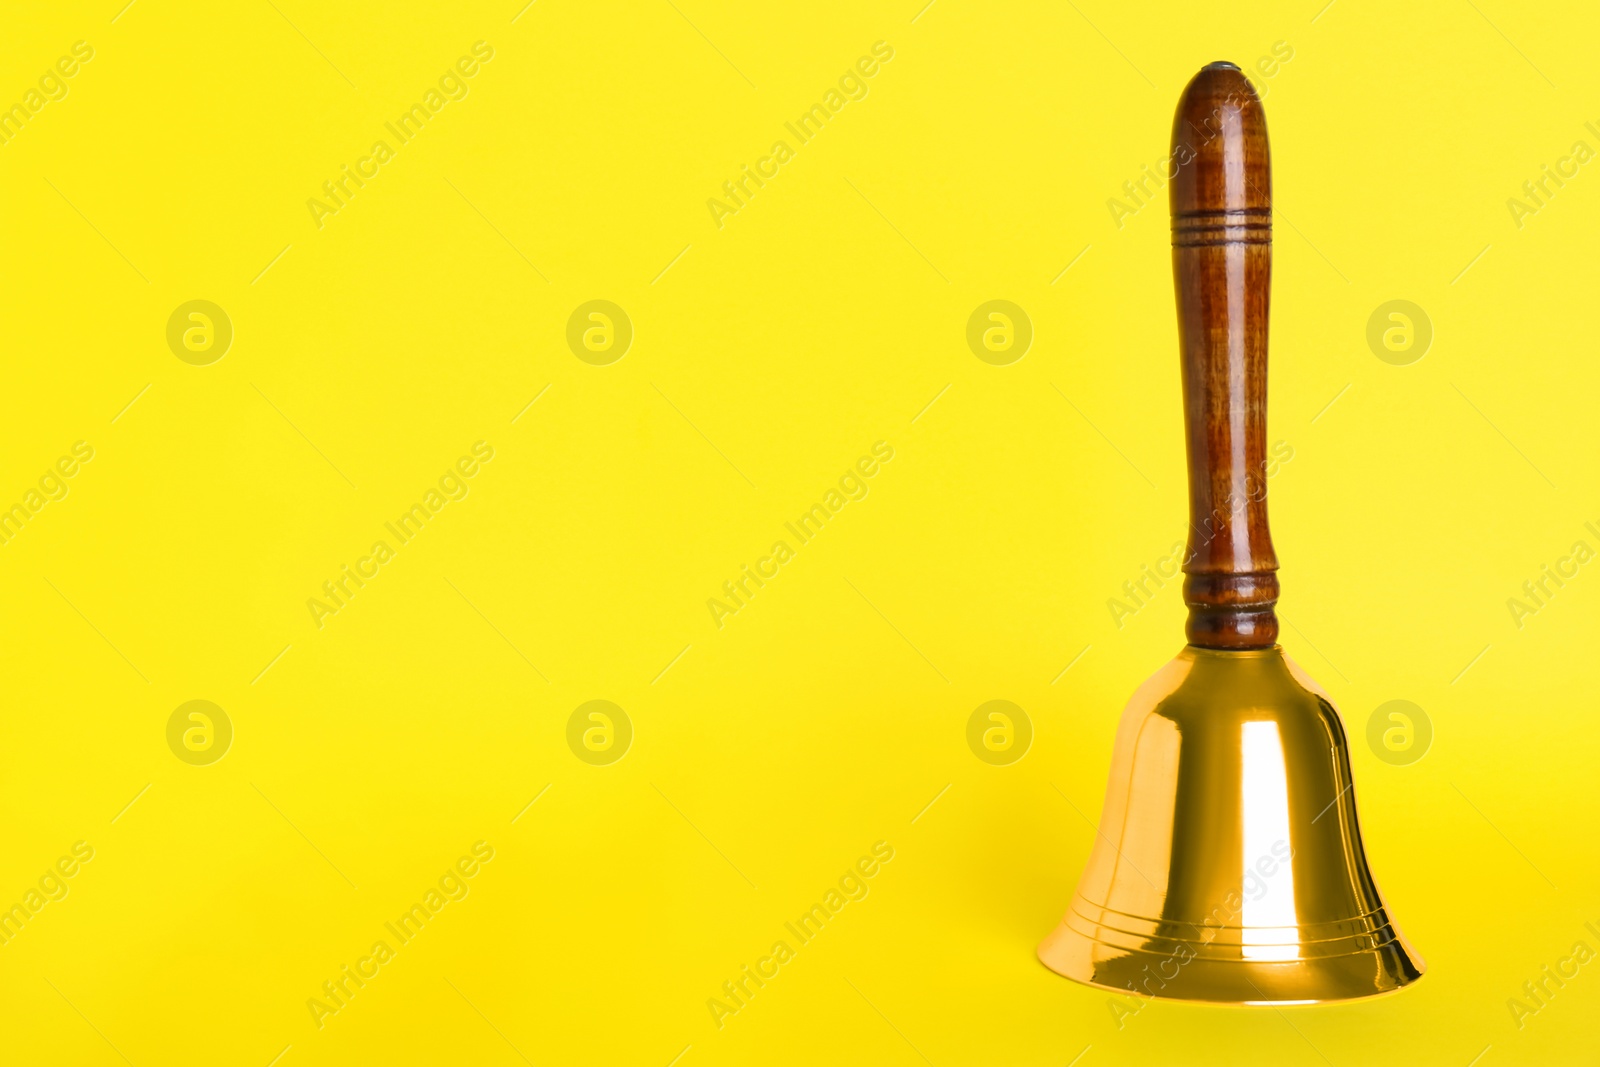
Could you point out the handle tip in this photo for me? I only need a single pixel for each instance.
(1219, 145)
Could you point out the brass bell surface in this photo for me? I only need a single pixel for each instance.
(1228, 865)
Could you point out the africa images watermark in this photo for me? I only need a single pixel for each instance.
(1552, 979)
(1538, 192)
(852, 85)
(1252, 890)
(852, 486)
(1538, 592)
(852, 886)
(339, 991)
(452, 85)
(52, 486)
(1152, 578)
(1141, 191)
(52, 86)
(452, 485)
(52, 886)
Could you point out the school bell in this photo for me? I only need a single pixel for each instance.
(1228, 865)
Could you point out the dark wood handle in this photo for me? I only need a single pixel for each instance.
(1222, 269)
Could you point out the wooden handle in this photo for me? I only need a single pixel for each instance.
(1222, 270)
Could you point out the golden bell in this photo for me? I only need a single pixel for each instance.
(1228, 865)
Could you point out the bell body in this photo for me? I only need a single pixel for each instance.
(1229, 865)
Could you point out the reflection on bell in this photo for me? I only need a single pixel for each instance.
(1229, 865)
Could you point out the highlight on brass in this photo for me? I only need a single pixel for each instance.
(1229, 865)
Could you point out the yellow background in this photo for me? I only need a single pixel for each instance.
(768, 355)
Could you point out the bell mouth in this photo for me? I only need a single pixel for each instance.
(1229, 865)
(1148, 957)
(1140, 976)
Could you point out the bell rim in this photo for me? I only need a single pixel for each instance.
(1318, 976)
(1368, 925)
